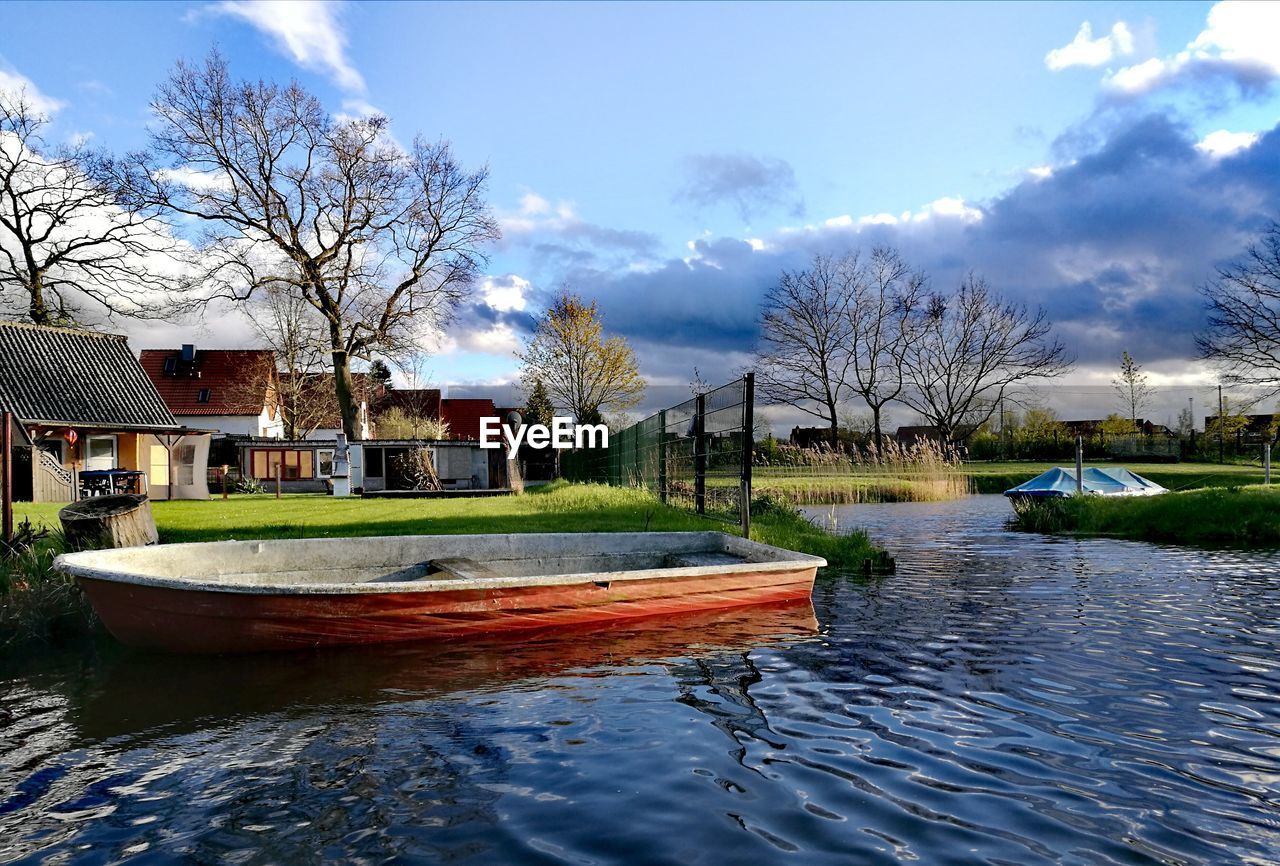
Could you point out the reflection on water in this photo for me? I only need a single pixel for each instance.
(1004, 698)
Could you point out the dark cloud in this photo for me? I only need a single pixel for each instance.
(1114, 246)
(753, 185)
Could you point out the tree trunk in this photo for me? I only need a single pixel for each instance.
(875, 421)
(38, 310)
(101, 522)
(346, 398)
(835, 427)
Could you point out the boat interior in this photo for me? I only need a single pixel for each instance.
(331, 562)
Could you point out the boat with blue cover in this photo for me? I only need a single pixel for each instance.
(1095, 480)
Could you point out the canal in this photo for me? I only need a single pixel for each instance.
(1003, 698)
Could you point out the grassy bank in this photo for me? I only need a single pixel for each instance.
(558, 507)
(1244, 516)
(824, 486)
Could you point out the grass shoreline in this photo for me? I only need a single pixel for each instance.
(1247, 516)
(37, 605)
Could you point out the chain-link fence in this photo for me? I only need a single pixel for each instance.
(694, 455)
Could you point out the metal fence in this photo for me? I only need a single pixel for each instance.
(694, 455)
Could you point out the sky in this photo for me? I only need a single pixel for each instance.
(670, 160)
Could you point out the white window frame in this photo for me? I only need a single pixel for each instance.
(88, 449)
(320, 462)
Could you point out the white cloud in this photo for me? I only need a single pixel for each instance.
(193, 179)
(1223, 143)
(1041, 172)
(947, 208)
(505, 294)
(13, 83)
(1084, 50)
(306, 30)
(1240, 38)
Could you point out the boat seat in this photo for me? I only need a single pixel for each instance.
(460, 567)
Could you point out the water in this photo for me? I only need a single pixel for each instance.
(1002, 699)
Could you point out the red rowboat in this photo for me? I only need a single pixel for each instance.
(244, 596)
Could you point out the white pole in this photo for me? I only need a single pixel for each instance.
(1079, 464)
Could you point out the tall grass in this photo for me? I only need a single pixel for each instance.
(924, 471)
(37, 604)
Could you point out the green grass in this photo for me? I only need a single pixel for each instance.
(36, 596)
(1237, 516)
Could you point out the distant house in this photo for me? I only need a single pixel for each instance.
(91, 421)
(305, 466)
(1093, 426)
(462, 414)
(232, 391)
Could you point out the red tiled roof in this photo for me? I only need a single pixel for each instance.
(237, 380)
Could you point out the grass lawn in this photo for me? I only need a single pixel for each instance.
(557, 507)
(1245, 516)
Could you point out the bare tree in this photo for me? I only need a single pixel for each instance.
(804, 358)
(968, 350)
(1243, 333)
(1132, 387)
(289, 326)
(69, 246)
(886, 293)
(381, 243)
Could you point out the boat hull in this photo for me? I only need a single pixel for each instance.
(207, 621)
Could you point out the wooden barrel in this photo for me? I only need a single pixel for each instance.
(100, 522)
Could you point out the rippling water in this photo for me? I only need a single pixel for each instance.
(1002, 699)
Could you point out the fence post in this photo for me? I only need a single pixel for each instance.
(6, 466)
(662, 455)
(748, 446)
(1266, 461)
(700, 454)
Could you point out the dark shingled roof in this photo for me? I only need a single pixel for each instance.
(75, 378)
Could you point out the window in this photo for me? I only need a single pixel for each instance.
(170, 366)
(203, 396)
(100, 453)
(292, 464)
(159, 465)
(324, 462)
(184, 459)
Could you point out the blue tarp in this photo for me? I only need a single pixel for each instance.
(1112, 481)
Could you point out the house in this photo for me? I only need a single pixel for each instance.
(1094, 426)
(232, 391)
(305, 465)
(91, 420)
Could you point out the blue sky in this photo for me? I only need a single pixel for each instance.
(670, 159)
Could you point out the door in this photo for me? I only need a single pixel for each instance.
(99, 453)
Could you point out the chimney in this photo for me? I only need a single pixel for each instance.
(188, 353)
